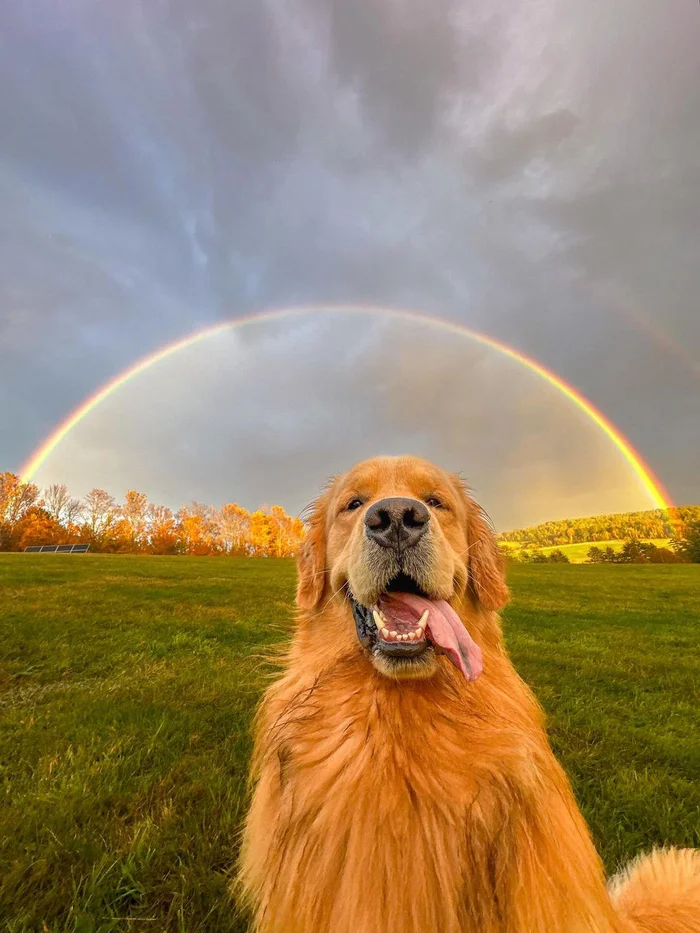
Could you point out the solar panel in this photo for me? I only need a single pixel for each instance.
(64, 548)
(80, 548)
(57, 549)
(49, 549)
(34, 549)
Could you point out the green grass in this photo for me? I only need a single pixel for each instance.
(127, 686)
(578, 553)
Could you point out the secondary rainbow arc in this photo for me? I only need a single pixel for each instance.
(649, 482)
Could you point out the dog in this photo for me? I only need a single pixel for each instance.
(403, 781)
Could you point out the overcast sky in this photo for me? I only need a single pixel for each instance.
(531, 170)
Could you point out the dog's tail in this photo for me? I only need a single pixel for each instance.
(659, 892)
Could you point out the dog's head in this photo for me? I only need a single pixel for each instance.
(400, 543)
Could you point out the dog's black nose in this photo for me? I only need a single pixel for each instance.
(396, 522)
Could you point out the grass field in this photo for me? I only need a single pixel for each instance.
(127, 685)
(578, 553)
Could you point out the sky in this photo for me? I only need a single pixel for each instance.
(529, 170)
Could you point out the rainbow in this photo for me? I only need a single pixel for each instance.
(649, 482)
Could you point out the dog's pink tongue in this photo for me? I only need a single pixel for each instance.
(446, 629)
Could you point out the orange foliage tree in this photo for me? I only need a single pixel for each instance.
(162, 530)
(16, 499)
(260, 534)
(131, 529)
(37, 526)
(234, 528)
(198, 532)
(286, 532)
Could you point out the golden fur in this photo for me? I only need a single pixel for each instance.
(391, 805)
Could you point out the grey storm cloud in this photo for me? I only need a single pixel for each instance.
(529, 170)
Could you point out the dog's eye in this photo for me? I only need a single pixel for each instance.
(434, 502)
(355, 504)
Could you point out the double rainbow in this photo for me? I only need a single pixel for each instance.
(649, 482)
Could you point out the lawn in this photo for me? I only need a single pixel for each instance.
(127, 685)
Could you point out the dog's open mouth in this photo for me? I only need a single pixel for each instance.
(405, 622)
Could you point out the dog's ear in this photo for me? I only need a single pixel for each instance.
(485, 563)
(311, 559)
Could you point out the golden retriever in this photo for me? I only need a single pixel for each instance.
(403, 778)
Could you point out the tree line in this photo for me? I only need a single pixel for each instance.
(534, 556)
(621, 526)
(30, 516)
(683, 548)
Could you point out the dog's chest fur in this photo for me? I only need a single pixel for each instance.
(388, 792)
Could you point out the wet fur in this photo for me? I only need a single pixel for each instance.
(383, 805)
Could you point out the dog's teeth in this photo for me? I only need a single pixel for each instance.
(393, 634)
(377, 620)
(424, 618)
(411, 636)
(419, 632)
(385, 632)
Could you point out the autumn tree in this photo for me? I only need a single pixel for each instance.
(162, 530)
(233, 522)
(61, 507)
(284, 532)
(198, 529)
(131, 531)
(297, 534)
(37, 526)
(101, 512)
(260, 534)
(16, 498)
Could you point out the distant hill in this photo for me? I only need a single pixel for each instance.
(656, 523)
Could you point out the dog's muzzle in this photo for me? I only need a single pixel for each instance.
(405, 622)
